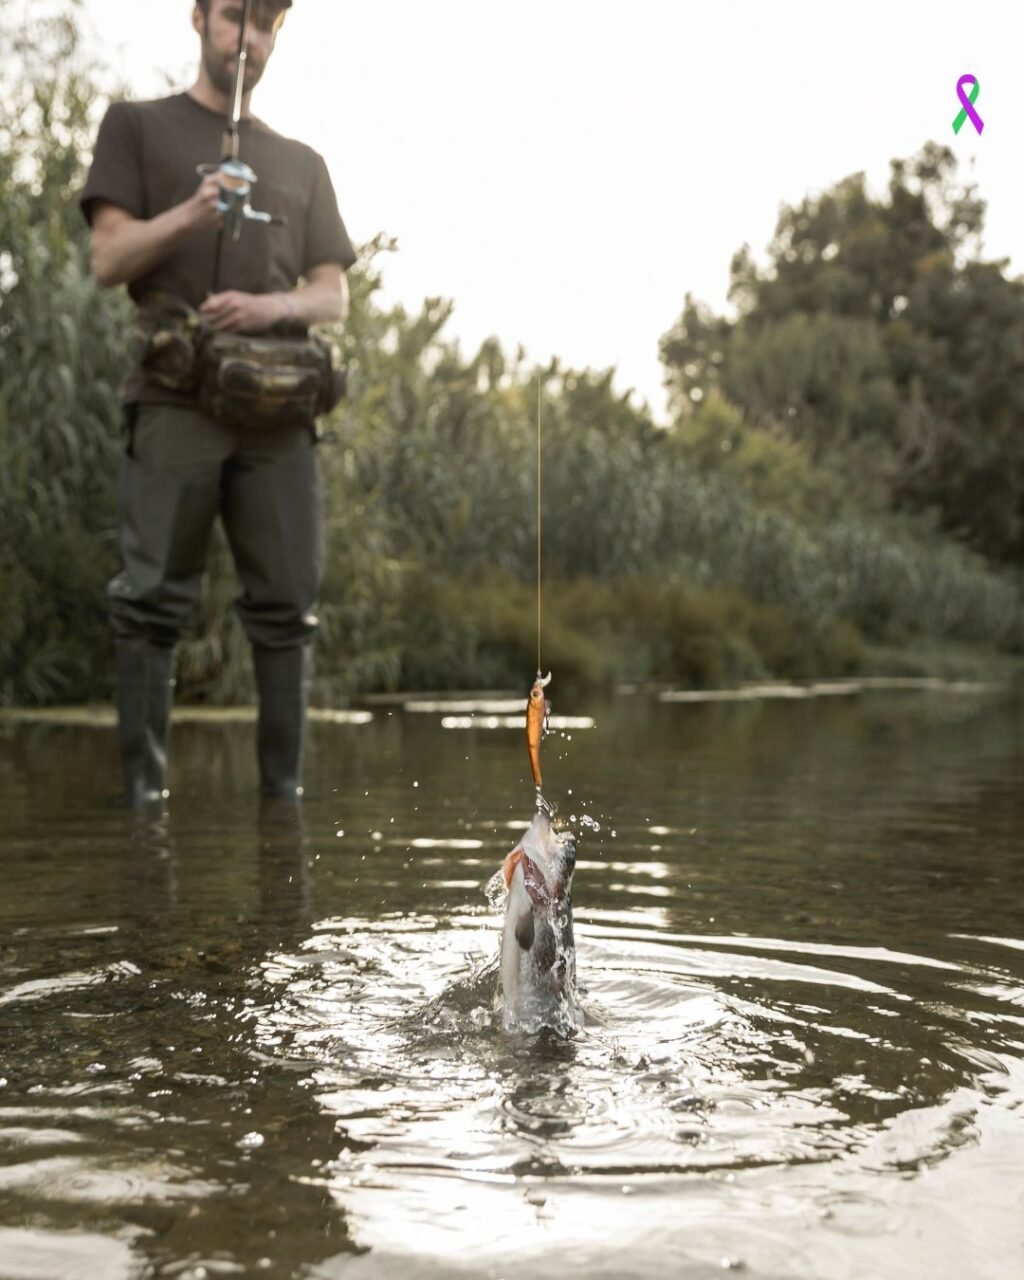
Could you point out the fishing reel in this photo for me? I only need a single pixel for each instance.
(236, 182)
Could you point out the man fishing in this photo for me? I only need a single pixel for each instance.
(221, 403)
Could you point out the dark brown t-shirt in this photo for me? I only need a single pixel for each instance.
(145, 162)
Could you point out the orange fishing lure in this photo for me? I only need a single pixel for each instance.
(537, 710)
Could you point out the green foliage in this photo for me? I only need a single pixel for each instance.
(874, 336)
(752, 539)
(826, 377)
(771, 467)
(62, 352)
(598, 632)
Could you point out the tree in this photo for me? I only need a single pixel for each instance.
(63, 343)
(876, 335)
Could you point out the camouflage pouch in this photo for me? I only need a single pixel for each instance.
(269, 381)
(167, 340)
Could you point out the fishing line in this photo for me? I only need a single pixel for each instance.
(536, 703)
(539, 389)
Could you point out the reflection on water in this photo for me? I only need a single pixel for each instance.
(238, 1040)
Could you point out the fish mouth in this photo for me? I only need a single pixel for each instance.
(556, 879)
(535, 882)
(545, 879)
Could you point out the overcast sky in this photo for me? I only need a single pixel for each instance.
(565, 171)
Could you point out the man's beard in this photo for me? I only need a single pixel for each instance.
(222, 76)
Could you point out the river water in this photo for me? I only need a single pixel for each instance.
(243, 1042)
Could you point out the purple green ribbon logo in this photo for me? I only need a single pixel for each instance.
(967, 101)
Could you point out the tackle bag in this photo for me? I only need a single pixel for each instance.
(270, 381)
(240, 379)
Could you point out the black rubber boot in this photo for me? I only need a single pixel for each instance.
(145, 691)
(282, 683)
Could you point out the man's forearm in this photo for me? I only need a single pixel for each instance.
(124, 247)
(137, 245)
(318, 302)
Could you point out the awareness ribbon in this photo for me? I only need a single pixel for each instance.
(968, 104)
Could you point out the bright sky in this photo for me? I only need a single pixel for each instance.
(565, 171)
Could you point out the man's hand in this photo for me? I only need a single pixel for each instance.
(240, 312)
(201, 207)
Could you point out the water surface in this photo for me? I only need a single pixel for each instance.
(237, 1041)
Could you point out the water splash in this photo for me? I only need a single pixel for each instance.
(496, 890)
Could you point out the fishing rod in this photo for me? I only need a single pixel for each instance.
(236, 178)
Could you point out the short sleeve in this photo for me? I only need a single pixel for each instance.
(327, 240)
(116, 170)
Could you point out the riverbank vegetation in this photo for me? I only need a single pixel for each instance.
(843, 477)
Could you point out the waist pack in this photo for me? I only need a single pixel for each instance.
(166, 342)
(268, 381)
(241, 380)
